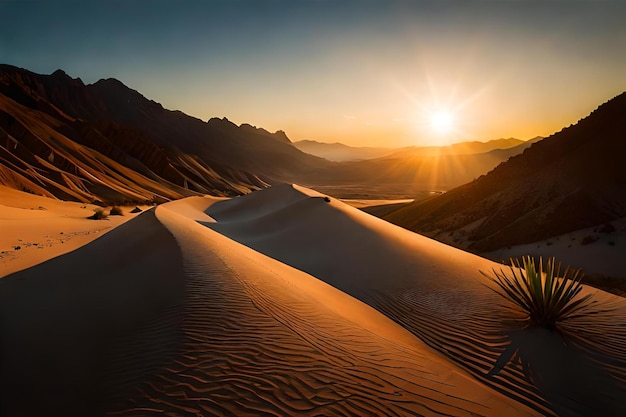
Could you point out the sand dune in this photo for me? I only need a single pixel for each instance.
(436, 292)
(263, 338)
(164, 315)
(59, 320)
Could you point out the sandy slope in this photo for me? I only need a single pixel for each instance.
(59, 320)
(34, 228)
(262, 337)
(603, 255)
(165, 315)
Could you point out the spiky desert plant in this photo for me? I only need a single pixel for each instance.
(546, 297)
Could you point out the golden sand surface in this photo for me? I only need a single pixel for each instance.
(286, 302)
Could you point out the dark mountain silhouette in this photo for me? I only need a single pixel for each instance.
(573, 179)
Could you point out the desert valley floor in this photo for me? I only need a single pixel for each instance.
(280, 302)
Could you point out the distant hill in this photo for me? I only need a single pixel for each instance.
(416, 172)
(340, 152)
(573, 179)
(411, 172)
(462, 148)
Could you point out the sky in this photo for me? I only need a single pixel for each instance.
(364, 73)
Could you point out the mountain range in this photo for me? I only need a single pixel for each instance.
(574, 179)
(341, 152)
(105, 142)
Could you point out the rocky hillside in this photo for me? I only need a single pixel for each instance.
(106, 142)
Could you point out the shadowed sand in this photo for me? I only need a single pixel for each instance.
(61, 320)
(164, 315)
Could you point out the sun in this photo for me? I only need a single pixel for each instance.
(441, 122)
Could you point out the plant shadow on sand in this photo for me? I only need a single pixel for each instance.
(573, 378)
(565, 352)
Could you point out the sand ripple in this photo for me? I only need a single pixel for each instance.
(253, 346)
(435, 292)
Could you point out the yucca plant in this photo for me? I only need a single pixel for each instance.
(546, 297)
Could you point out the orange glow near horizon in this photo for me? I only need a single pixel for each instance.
(429, 120)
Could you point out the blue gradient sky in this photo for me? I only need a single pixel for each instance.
(358, 72)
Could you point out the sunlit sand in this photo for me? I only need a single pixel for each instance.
(34, 229)
(287, 302)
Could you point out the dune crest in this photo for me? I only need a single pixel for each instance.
(260, 337)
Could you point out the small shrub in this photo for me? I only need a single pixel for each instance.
(546, 298)
(116, 211)
(607, 228)
(588, 240)
(99, 214)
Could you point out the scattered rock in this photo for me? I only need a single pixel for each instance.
(607, 228)
(588, 239)
(136, 210)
